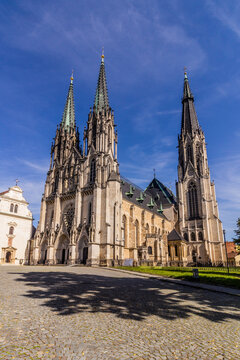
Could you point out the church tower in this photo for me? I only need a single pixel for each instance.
(199, 221)
(102, 179)
(57, 215)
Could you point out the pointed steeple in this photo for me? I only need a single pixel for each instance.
(189, 117)
(68, 119)
(101, 97)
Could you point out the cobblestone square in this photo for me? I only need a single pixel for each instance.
(74, 313)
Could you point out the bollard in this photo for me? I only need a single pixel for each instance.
(195, 274)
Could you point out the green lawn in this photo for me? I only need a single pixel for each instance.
(213, 276)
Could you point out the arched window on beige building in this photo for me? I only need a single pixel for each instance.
(16, 209)
(152, 224)
(11, 207)
(137, 240)
(124, 230)
(131, 210)
(147, 229)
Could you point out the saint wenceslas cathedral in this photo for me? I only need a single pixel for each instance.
(91, 215)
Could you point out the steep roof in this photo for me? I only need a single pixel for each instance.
(174, 235)
(161, 193)
(139, 197)
(68, 118)
(189, 117)
(101, 97)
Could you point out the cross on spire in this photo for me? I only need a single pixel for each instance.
(17, 181)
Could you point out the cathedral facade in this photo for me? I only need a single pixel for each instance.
(91, 215)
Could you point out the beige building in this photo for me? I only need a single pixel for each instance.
(92, 215)
(15, 226)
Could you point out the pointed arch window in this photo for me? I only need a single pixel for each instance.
(193, 237)
(89, 213)
(189, 154)
(200, 236)
(16, 209)
(193, 201)
(147, 229)
(149, 250)
(93, 170)
(136, 233)
(11, 207)
(124, 228)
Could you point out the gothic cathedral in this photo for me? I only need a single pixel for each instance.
(91, 215)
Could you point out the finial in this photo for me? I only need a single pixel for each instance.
(154, 173)
(17, 181)
(71, 77)
(102, 54)
(185, 72)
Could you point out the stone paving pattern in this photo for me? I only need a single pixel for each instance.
(75, 313)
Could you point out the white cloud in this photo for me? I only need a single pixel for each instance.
(228, 13)
(138, 35)
(36, 166)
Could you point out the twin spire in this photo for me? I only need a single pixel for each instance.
(100, 102)
(189, 117)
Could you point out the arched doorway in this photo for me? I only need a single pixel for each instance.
(63, 256)
(83, 250)
(43, 254)
(62, 250)
(8, 257)
(85, 255)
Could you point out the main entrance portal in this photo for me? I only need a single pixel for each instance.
(83, 250)
(62, 251)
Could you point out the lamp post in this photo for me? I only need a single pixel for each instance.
(224, 234)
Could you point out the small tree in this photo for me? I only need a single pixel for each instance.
(237, 233)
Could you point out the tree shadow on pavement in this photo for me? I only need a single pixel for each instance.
(127, 297)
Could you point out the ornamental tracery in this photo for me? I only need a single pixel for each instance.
(68, 216)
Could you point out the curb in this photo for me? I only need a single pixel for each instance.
(219, 289)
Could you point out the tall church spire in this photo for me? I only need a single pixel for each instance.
(101, 97)
(189, 117)
(68, 119)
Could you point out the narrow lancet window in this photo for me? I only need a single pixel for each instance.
(193, 201)
(93, 171)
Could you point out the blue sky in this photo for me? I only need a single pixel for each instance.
(147, 45)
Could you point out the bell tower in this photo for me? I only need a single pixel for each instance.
(101, 190)
(199, 221)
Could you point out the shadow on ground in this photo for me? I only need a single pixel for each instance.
(126, 297)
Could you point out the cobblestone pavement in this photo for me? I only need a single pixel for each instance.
(74, 313)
